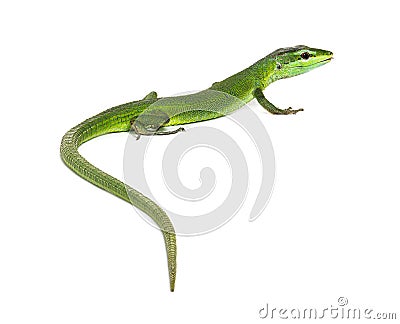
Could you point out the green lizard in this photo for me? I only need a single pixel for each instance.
(149, 115)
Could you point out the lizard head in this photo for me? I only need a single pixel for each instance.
(292, 61)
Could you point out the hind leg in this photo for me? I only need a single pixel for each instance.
(150, 122)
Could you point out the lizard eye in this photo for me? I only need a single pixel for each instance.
(278, 65)
(305, 55)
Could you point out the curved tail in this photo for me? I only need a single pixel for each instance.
(117, 119)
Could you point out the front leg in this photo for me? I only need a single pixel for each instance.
(258, 94)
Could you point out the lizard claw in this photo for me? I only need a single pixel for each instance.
(291, 111)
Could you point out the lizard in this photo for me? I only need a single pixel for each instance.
(151, 116)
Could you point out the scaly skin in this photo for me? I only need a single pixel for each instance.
(146, 116)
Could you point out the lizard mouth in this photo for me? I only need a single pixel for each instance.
(319, 62)
(326, 60)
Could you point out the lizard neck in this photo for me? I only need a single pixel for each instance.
(243, 83)
(263, 71)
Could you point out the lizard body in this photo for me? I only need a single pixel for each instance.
(149, 115)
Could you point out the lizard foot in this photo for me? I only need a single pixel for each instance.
(291, 111)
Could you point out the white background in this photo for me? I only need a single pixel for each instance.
(71, 253)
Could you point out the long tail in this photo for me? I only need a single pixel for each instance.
(117, 120)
